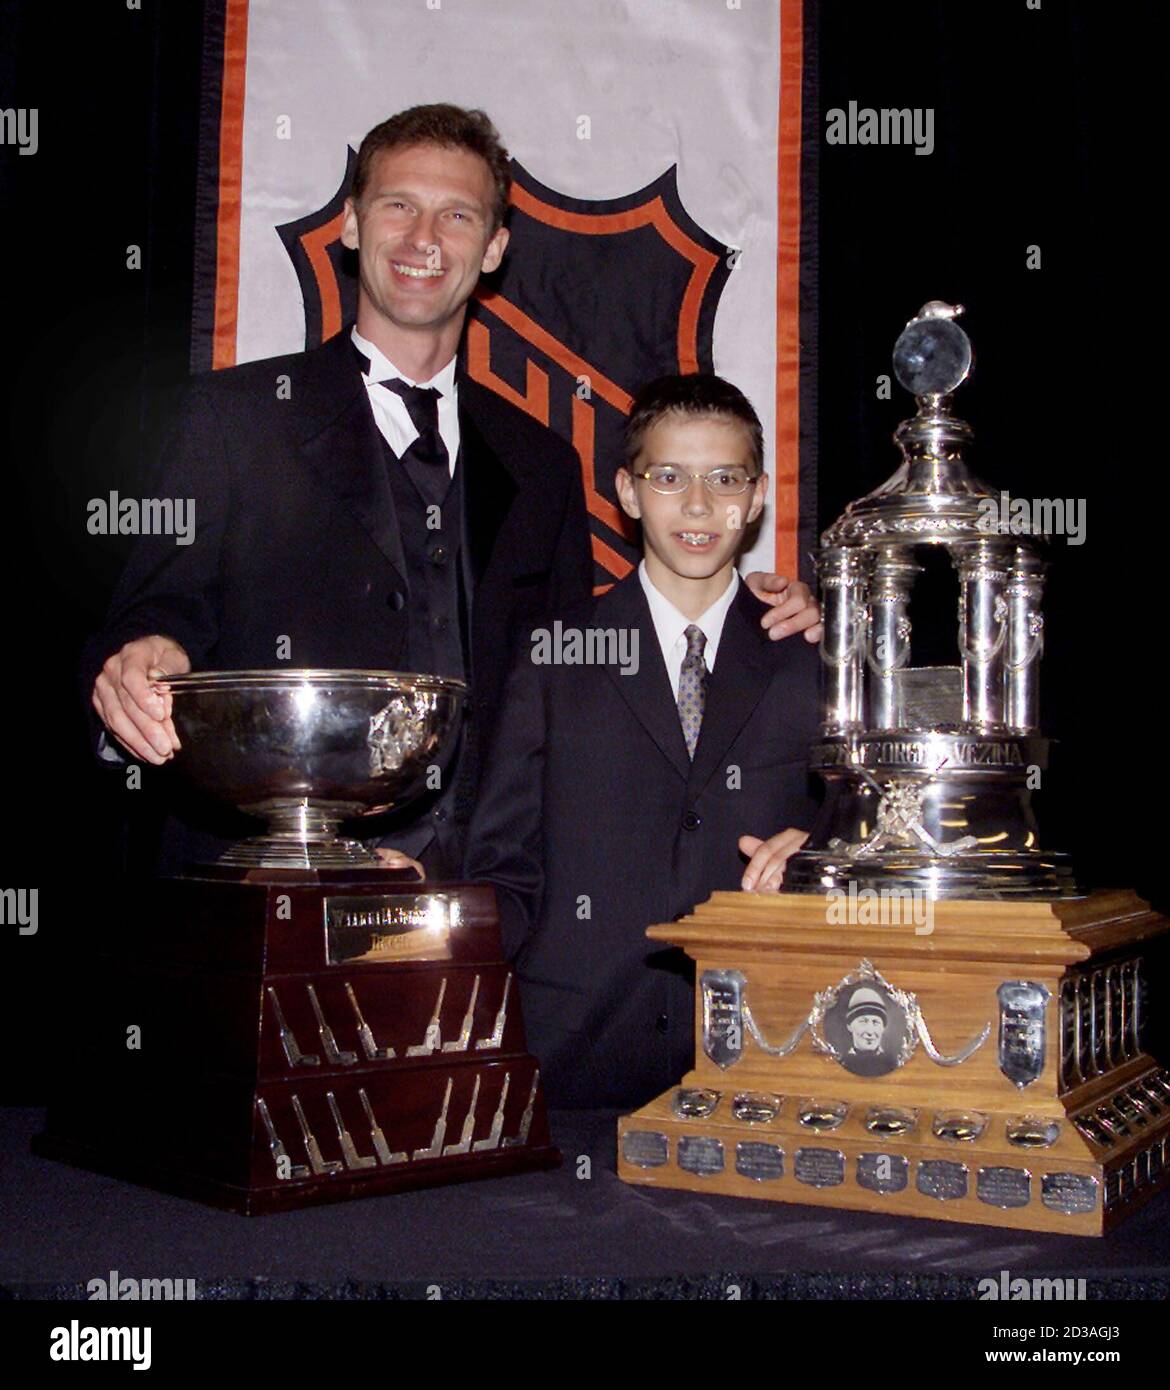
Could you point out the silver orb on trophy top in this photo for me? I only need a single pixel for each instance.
(929, 771)
(306, 749)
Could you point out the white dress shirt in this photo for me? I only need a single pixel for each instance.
(670, 625)
(390, 412)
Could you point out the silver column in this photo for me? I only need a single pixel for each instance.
(894, 573)
(843, 573)
(1025, 640)
(983, 610)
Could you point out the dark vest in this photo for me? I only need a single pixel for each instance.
(438, 643)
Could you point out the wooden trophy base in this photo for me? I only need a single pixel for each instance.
(269, 1039)
(986, 1066)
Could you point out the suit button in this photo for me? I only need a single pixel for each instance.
(691, 821)
(440, 814)
(396, 599)
(661, 1023)
(438, 555)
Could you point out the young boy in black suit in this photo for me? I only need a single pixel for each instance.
(633, 772)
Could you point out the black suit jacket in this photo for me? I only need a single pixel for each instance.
(296, 535)
(593, 823)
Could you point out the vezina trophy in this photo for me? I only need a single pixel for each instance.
(294, 1024)
(929, 1020)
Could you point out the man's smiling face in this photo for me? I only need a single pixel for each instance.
(423, 233)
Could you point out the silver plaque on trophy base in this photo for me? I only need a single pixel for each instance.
(759, 1161)
(1069, 1193)
(700, 1154)
(1004, 1187)
(1032, 1131)
(882, 1172)
(694, 1103)
(942, 1179)
(756, 1107)
(960, 1126)
(722, 995)
(819, 1167)
(1021, 1030)
(822, 1114)
(645, 1148)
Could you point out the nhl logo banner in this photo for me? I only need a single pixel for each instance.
(657, 216)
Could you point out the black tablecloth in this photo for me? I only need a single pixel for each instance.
(554, 1234)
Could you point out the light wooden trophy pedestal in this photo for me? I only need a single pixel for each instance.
(1109, 1099)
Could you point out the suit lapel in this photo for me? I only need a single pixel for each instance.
(488, 487)
(340, 441)
(647, 691)
(746, 663)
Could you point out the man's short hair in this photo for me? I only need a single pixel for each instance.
(696, 393)
(439, 124)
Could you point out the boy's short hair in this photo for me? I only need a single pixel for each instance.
(696, 393)
(439, 124)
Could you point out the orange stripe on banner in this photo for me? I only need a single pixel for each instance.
(608, 558)
(231, 169)
(787, 494)
(652, 214)
(551, 347)
(316, 245)
(479, 364)
(584, 439)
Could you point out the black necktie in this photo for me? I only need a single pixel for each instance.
(422, 404)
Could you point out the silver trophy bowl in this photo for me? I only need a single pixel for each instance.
(305, 750)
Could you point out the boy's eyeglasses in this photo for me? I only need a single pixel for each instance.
(722, 482)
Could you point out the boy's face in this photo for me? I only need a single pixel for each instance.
(692, 534)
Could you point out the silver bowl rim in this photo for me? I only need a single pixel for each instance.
(199, 681)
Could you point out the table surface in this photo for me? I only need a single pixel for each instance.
(547, 1234)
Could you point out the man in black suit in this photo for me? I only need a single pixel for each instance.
(632, 770)
(364, 504)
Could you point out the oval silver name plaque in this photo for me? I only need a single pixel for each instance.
(645, 1148)
(694, 1103)
(700, 1155)
(960, 1126)
(1032, 1131)
(942, 1179)
(819, 1167)
(1004, 1187)
(822, 1114)
(889, 1120)
(756, 1107)
(882, 1172)
(1068, 1193)
(758, 1161)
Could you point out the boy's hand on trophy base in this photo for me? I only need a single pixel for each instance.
(793, 608)
(767, 858)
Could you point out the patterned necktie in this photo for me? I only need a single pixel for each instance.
(422, 404)
(692, 687)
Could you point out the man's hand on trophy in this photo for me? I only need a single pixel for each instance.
(137, 715)
(767, 858)
(793, 608)
(395, 859)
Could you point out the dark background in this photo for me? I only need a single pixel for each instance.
(1043, 136)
